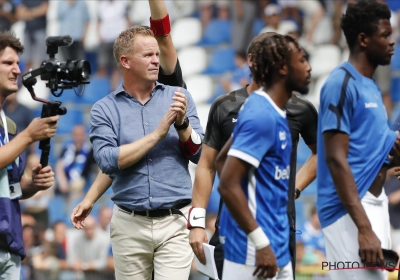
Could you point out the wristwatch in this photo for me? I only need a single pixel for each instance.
(297, 192)
(182, 126)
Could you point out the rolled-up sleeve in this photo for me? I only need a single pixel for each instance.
(191, 114)
(104, 139)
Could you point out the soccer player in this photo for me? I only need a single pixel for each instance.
(355, 141)
(302, 118)
(255, 178)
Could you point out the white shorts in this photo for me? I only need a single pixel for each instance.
(341, 239)
(236, 271)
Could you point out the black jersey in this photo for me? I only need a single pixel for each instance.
(175, 79)
(303, 120)
(222, 118)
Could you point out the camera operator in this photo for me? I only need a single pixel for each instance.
(13, 184)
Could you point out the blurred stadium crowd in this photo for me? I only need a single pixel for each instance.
(211, 38)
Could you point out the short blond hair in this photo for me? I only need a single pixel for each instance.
(124, 43)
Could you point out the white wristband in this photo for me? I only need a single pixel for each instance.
(258, 238)
(197, 218)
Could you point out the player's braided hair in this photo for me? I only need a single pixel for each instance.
(268, 54)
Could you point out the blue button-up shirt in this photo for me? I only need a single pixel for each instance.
(161, 178)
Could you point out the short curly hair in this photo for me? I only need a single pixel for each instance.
(363, 17)
(268, 54)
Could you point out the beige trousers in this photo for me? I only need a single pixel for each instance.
(142, 244)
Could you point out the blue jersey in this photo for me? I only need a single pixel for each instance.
(352, 104)
(262, 138)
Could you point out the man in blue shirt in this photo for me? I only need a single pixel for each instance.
(134, 143)
(14, 185)
(355, 141)
(254, 185)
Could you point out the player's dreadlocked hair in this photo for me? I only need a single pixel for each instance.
(268, 54)
(362, 17)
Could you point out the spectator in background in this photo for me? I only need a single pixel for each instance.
(313, 11)
(7, 15)
(274, 22)
(383, 74)
(34, 15)
(243, 15)
(75, 163)
(313, 239)
(240, 76)
(112, 20)
(20, 114)
(60, 237)
(209, 8)
(290, 11)
(392, 188)
(45, 263)
(89, 250)
(73, 17)
(28, 234)
(105, 215)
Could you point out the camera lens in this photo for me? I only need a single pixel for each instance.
(79, 70)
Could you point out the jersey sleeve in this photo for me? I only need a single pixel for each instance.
(175, 79)
(337, 104)
(309, 123)
(253, 135)
(213, 135)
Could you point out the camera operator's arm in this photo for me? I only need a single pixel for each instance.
(160, 18)
(42, 179)
(9, 15)
(37, 130)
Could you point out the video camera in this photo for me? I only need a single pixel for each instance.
(59, 76)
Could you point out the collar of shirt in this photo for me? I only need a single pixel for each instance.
(120, 89)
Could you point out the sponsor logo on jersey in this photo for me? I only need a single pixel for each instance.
(282, 174)
(371, 105)
(282, 135)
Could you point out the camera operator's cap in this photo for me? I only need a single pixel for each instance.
(272, 9)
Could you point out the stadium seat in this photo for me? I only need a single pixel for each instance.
(303, 152)
(395, 81)
(217, 32)
(311, 190)
(202, 113)
(324, 59)
(258, 25)
(186, 32)
(67, 97)
(193, 60)
(300, 213)
(200, 87)
(56, 209)
(184, 8)
(96, 90)
(315, 93)
(68, 121)
(222, 60)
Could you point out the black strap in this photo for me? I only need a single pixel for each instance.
(219, 213)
